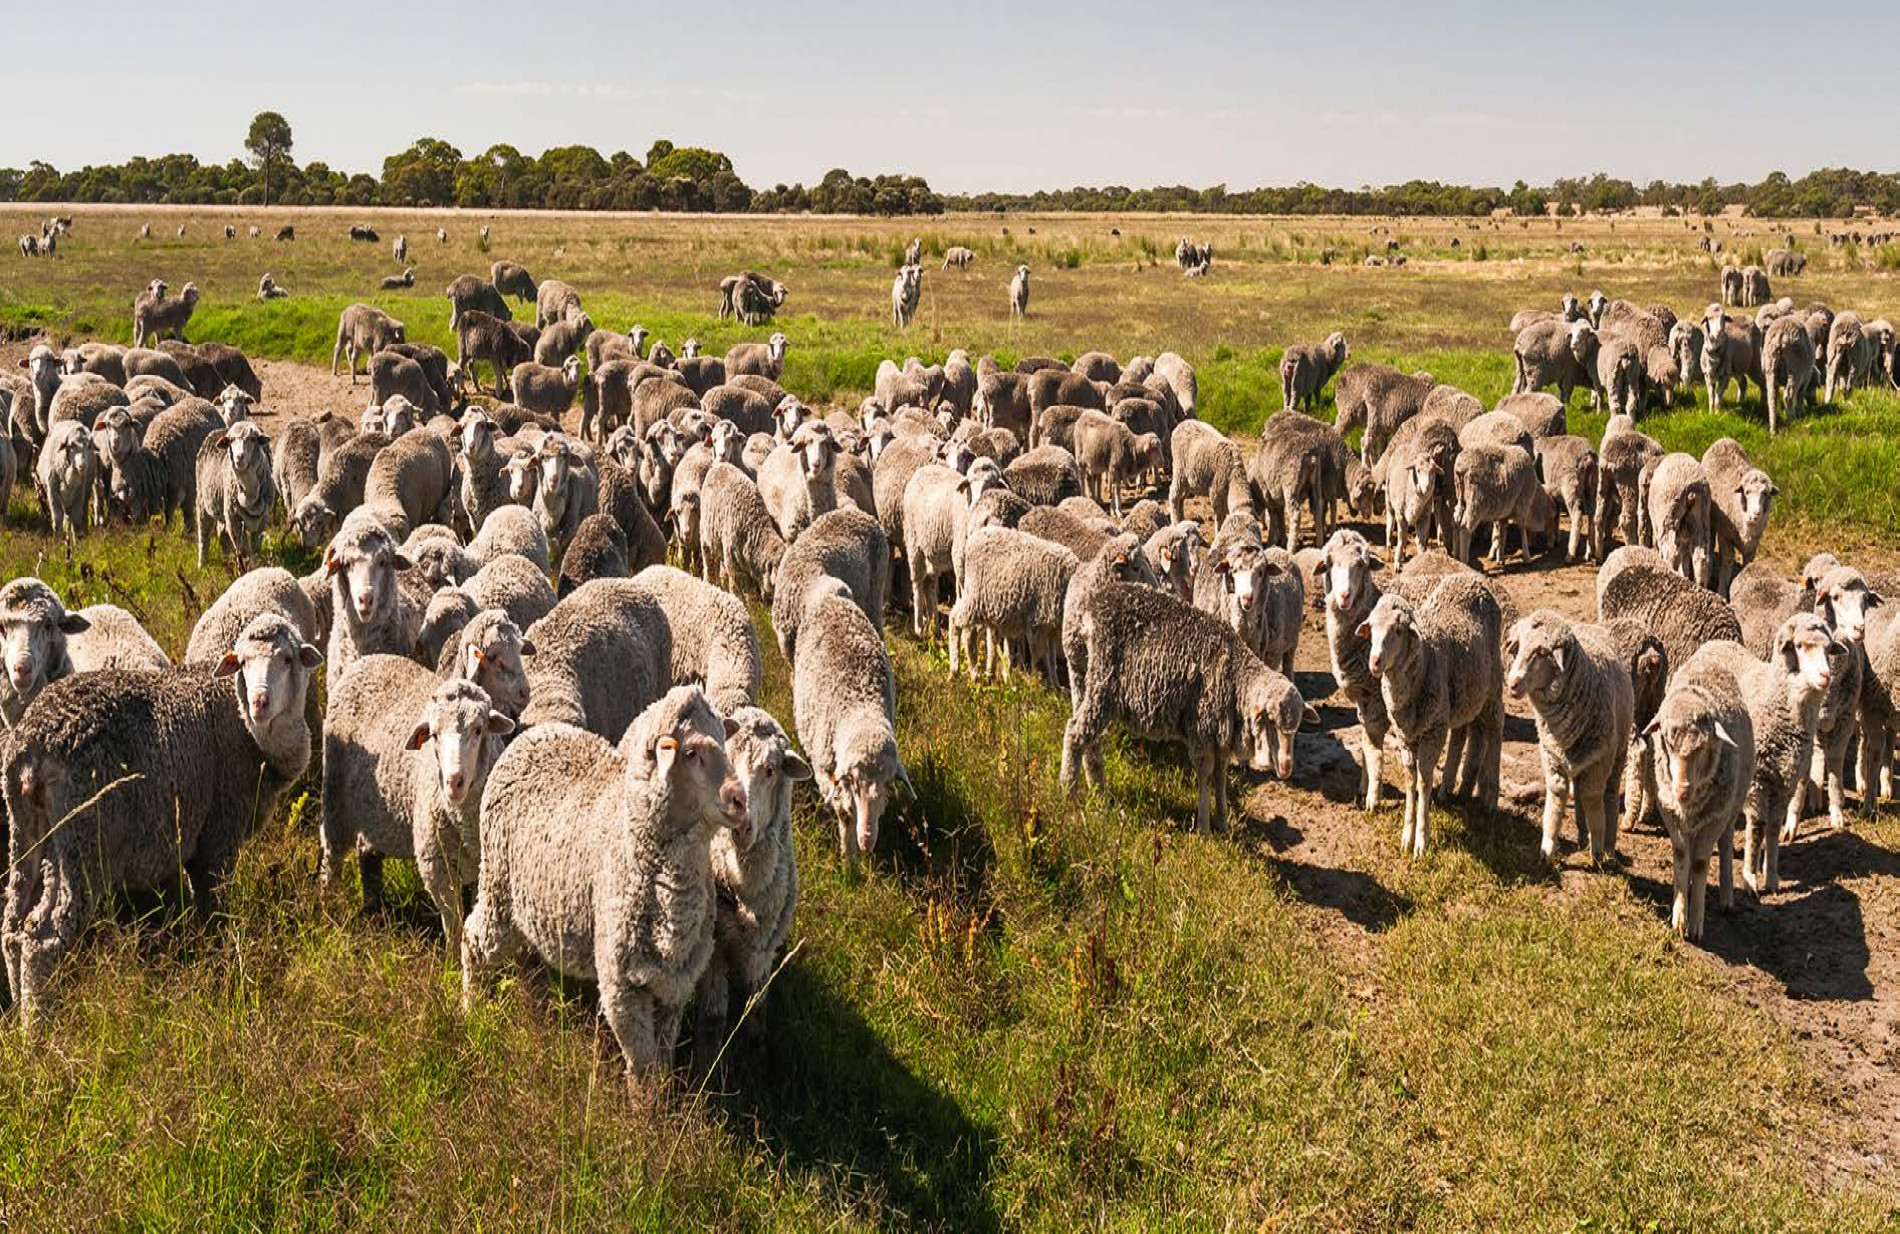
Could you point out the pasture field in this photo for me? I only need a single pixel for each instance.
(1028, 1010)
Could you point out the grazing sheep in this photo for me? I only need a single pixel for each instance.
(393, 375)
(1578, 683)
(512, 280)
(266, 589)
(1676, 515)
(155, 317)
(595, 857)
(1286, 480)
(362, 330)
(1493, 484)
(234, 490)
(1624, 457)
(1169, 672)
(1741, 496)
(1731, 351)
(64, 474)
(1618, 380)
(1556, 353)
(1655, 369)
(1019, 293)
(958, 257)
(173, 439)
(844, 704)
(405, 759)
(756, 875)
(1109, 454)
(1014, 584)
(739, 540)
(602, 654)
(1787, 369)
(1440, 676)
(481, 338)
(1635, 583)
(1686, 341)
(470, 292)
(160, 772)
(1305, 369)
(598, 550)
(845, 544)
(544, 390)
(1378, 399)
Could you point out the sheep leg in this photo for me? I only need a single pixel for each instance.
(444, 890)
(1423, 804)
(1725, 846)
(630, 1013)
(1372, 745)
(1836, 796)
(369, 868)
(1679, 907)
(1872, 741)
(714, 1009)
(64, 907)
(1771, 855)
(1556, 805)
(488, 941)
(1454, 760)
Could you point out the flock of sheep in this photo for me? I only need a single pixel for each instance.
(524, 698)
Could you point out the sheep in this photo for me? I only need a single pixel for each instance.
(1377, 399)
(1696, 760)
(1002, 401)
(958, 257)
(42, 642)
(1343, 579)
(166, 770)
(561, 340)
(1618, 381)
(1787, 369)
(405, 759)
(1014, 587)
(630, 901)
(906, 290)
(1837, 724)
(1440, 676)
(739, 539)
(1783, 696)
(235, 491)
(540, 388)
(266, 589)
(712, 639)
(846, 544)
(1061, 388)
(1850, 354)
(1676, 516)
(1655, 368)
(483, 338)
(597, 550)
(1493, 484)
(470, 292)
(1624, 457)
(1579, 685)
(1635, 583)
(796, 480)
(173, 439)
(511, 530)
(565, 491)
(81, 398)
(1686, 342)
(1740, 497)
(1731, 350)
(342, 474)
(483, 486)
(1755, 289)
(1172, 550)
(396, 282)
(602, 654)
(410, 478)
(1109, 454)
(1572, 311)
(155, 317)
(844, 705)
(65, 474)
(1285, 477)
(512, 280)
(1784, 262)
(765, 359)
(1843, 598)
(751, 297)
(1019, 294)
(1097, 366)
(936, 504)
(400, 248)
(618, 496)
(393, 375)
(368, 613)
(1542, 415)
(1305, 368)
(136, 487)
(362, 330)
(1556, 353)
(1169, 672)
(105, 359)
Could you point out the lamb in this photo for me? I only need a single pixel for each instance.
(512, 280)
(1787, 369)
(1013, 589)
(165, 770)
(713, 642)
(1019, 294)
(1108, 454)
(154, 317)
(1741, 495)
(1646, 332)
(1495, 485)
(1556, 353)
(1440, 676)
(1169, 672)
(1731, 351)
(1637, 584)
(845, 544)
(405, 759)
(844, 705)
(235, 492)
(368, 614)
(739, 539)
(544, 390)
(1172, 552)
(1579, 684)
(595, 857)
(765, 359)
(756, 876)
(1676, 515)
(1696, 762)
(1783, 696)
(470, 292)
(562, 340)
(1305, 368)
(362, 330)
(1568, 465)
(64, 474)
(1377, 399)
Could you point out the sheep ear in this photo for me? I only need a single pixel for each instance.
(309, 656)
(401, 561)
(418, 737)
(331, 563)
(730, 725)
(794, 767)
(664, 752)
(527, 647)
(1364, 630)
(499, 725)
(1873, 600)
(1309, 718)
(230, 664)
(74, 623)
(1653, 727)
(1722, 734)
(1559, 657)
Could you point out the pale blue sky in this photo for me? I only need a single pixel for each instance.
(1012, 96)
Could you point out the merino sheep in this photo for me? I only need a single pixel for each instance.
(1556, 353)
(1378, 399)
(368, 612)
(512, 280)
(739, 539)
(362, 330)
(1637, 584)
(481, 338)
(846, 544)
(65, 474)
(1578, 683)
(1013, 589)
(1019, 293)
(1676, 515)
(155, 317)
(1305, 369)
(765, 359)
(1731, 351)
(1787, 370)
(235, 491)
(844, 703)
(1741, 496)
(1169, 672)
(470, 292)
(161, 772)
(1495, 485)
(595, 857)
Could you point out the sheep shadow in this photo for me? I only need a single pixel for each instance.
(1357, 896)
(941, 838)
(826, 1095)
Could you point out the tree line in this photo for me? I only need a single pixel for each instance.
(432, 172)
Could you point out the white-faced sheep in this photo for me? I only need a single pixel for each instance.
(1019, 293)
(65, 474)
(155, 317)
(1741, 495)
(368, 613)
(738, 538)
(595, 858)
(844, 702)
(1578, 683)
(1676, 515)
(235, 490)
(765, 359)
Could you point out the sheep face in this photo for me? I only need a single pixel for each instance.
(1540, 650)
(492, 652)
(789, 416)
(478, 436)
(1808, 649)
(448, 613)
(764, 762)
(460, 722)
(1757, 493)
(33, 629)
(442, 562)
(728, 444)
(42, 369)
(861, 789)
(1272, 712)
(234, 404)
(272, 665)
(817, 454)
(314, 521)
(363, 570)
(115, 436)
(1392, 630)
(983, 474)
(690, 759)
(523, 477)
(398, 415)
(250, 454)
(1842, 597)
(1243, 574)
(1345, 571)
(1688, 742)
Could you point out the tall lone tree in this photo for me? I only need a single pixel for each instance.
(268, 141)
